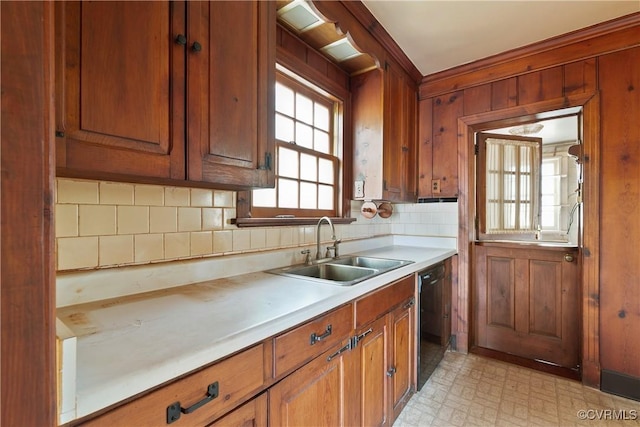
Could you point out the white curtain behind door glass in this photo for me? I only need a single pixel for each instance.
(512, 186)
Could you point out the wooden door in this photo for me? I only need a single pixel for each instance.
(120, 89)
(231, 93)
(526, 302)
(401, 371)
(374, 362)
(321, 393)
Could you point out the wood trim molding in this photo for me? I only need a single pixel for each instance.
(28, 351)
(364, 16)
(610, 36)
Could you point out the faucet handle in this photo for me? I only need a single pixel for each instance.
(307, 258)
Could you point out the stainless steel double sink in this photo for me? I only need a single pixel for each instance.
(342, 271)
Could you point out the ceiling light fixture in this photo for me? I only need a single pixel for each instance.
(528, 129)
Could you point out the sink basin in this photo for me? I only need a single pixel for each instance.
(368, 262)
(342, 271)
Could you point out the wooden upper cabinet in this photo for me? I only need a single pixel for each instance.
(231, 93)
(384, 106)
(166, 92)
(118, 99)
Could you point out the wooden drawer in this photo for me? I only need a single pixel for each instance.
(238, 378)
(372, 306)
(298, 346)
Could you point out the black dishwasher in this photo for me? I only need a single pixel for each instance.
(434, 332)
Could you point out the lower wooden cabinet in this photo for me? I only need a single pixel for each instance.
(318, 394)
(354, 365)
(251, 414)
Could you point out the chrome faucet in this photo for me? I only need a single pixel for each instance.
(333, 236)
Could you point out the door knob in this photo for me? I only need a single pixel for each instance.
(568, 257)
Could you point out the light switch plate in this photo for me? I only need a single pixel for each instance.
(358, 189)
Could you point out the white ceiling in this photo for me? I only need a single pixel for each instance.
(437, 35)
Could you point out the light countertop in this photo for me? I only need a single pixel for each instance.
(128, 344)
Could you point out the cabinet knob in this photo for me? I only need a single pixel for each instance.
(391, 371)
(196, 47)
(568, 257)
(181, 40)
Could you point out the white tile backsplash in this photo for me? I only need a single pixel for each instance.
(170, 223)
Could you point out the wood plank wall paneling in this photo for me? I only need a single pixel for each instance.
(28, 380)
(619, 79)
(588, 43)
(540, 86)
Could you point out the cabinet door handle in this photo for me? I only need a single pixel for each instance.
(568, 257)
(391, 371)
(315, 337)
(181, 40)
(175, 409)
(347, 347)
(196, 47)
(410, 303)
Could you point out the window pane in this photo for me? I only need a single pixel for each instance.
(308, 195)
(284, 99)
(304, 135)
(304, 109)
(284, 128)
(509, 216)
(287, 163)
(287, 193)
(265, 197)
(325, 197)
(321, 142)
(308, 167)
(321, 117)
(325, 171)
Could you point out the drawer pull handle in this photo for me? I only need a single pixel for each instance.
(315, 337)
(175, 409)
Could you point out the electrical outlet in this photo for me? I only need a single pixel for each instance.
(435, 186)
(358, 189)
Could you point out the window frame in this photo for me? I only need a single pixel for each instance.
(334, 106)
(518, 233)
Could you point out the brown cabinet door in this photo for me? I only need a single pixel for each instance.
(399, 156)
(321, 393)
(403, 356)
(526, 302)
(251, 414)
(374, 362)
(231, 89)
(119, 89)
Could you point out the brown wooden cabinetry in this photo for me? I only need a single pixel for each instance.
(319, 393)
(438, 145)
(384, 116)
(387, 351)
(234, 380)
(159, 91)
(254, 413)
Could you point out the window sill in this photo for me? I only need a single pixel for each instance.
(275, 222)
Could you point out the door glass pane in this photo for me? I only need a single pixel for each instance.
(308, 167)
(287, 162)
(308, 195)
(287, 193)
